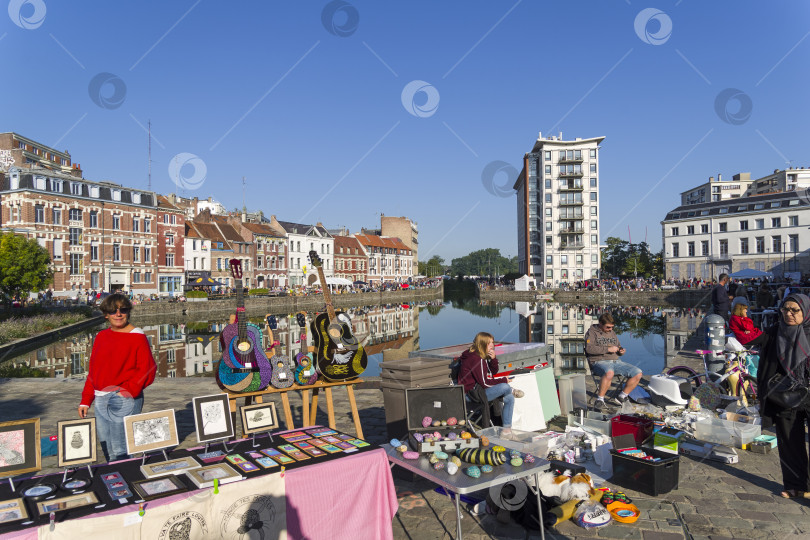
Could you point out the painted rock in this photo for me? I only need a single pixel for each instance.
(486, 468)
(465, 435)
(516, 462)
(514, 453)
(402, 448)
(436, 423)
(426, 421)
(395, 443)
(441, 455)
(433, 458)
(410, 455)
(528, 458)
(455, 460)
(439, 465)
(452, 468)
(498, 449)
(473, 472)
(444, 422)
(452, 421)
(419, 437)
(481, 456)
(484, 441)
(462, 422)
(437, 435)
(452, 436)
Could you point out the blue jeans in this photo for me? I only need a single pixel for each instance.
(110, 412)
(503, 389)
(616, 366)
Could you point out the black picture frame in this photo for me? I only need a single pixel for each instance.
(162, 486)
(212, 418)
(69, 431)
(20, 439)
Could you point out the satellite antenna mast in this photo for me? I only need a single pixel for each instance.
(243, 194)
(149, 145)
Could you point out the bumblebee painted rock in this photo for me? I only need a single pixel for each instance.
(481, 456)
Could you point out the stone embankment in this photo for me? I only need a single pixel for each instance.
(286, 304)
(687, 298)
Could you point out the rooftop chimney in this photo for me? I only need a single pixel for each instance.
(719, 177)
(539, 135)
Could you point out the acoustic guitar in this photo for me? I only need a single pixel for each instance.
(244, 366)
(305, 373)
(339, 355)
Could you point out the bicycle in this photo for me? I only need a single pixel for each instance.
(734, 380)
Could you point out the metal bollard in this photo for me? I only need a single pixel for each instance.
(715, 341)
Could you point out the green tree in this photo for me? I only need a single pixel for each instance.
(484, 262)
(24, 266)
(433, 267)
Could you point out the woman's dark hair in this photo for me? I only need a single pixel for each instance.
(115, 301)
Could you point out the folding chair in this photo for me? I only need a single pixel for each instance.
(616, 385)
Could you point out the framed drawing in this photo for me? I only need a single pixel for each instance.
(152, 488)
(66, 503)
(173, 466)
(19, 447)
(259, 417)
(150, 431)
(77, 442)
(212, 418)
(12, 510)
(204, 477)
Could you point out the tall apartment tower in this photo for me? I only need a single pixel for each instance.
(558, 210)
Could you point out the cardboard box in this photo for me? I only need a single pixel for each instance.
(439, 403)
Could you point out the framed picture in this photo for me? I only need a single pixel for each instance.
(77, 441)
(173, 466)
(152, 488)
(259, 417)
(66, 503)
(12, 510)
(19, 447)
(205, 476)
(150, 431)
(212, 418)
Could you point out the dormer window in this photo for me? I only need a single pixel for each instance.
(94, 192)
(136, 198)
(75, 188)
(56, 185)
(116, 194)
(39, 182)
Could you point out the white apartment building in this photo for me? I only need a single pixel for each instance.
(769, 232)
(741, 185)
(558, 210)
(301, 239)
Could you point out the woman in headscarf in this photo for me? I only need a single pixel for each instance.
(787, 353)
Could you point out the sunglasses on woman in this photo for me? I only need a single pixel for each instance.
(122, 310)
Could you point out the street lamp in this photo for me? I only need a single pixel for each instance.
(784, 246)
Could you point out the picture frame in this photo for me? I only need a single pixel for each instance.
(163, 486)
(172, 466)
(76, 442)
(258, 418)
(66, 503)
(204, 476)
(12, 510)
(20, 450)
(212, 418)
(150, 431)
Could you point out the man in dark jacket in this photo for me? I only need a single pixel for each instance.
(721, 304)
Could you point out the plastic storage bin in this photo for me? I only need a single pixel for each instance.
(640, 428)
(527, 442)
(649, 477)
(726, 432)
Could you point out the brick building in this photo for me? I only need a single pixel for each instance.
(99, 235)
(24, 153)
(269, 246)
(171, 232)
(350, 259)
(389, 259)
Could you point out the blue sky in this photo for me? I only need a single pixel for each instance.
(305, 100)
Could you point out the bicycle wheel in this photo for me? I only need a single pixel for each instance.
(687, 373)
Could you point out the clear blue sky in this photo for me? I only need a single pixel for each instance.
(314, 119)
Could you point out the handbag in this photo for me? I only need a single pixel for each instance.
(786, 392)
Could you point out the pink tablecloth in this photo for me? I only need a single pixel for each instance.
(351, 498)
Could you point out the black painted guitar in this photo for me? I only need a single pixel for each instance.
(339, 355)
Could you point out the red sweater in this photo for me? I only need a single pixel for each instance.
(119, 361)
(739, 325)
(475, 370)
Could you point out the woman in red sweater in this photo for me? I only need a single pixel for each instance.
(743, 327)
(121, 366)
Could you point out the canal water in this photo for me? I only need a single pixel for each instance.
(186, 349)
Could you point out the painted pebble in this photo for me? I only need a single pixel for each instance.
(528, 458)
(441, 455)
(486, 468)
(473, 472)
(462, 422)
(433, 458)
(395, 443)
(514, 453)
(444, 422)
(419, 437)
(437, 435)
(466, 435)
(498, 449)
(402, 448)
(516, 462)
(410, 455)
(452, 468)
(452, 436)
(426, 421)
(439, 465)
(484, 441)
(452, 421)
(436, 423)
(455, 460)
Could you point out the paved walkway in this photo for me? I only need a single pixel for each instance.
(712, 500)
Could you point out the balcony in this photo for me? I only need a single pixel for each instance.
(572, 245)
(571, 230)
(570, 218)
(571, 187)
(571, 174)
(566, 202)
(579, 159)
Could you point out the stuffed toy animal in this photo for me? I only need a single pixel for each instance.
(578, 488)
(551, 485)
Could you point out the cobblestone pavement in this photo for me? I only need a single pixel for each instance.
(712, 501)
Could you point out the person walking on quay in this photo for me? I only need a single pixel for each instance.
(602, 348)
(121, 366)
(787, 353)
(720, 301)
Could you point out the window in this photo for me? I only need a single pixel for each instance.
(593, 182)
(776, 244)
(579, 260)
(704, 247)
(592, 153)
(57, 249)
(548, 212)
(75, 236)
(116, 194)
(744, 225)
(593, 210)
(723, 226)
(136, 224)
(776, 222)
(136, 198)
(548, 169)
(674, 231)
(75, 214)
(147, 277)
(94, 192)
(547, 156)
(760, 244)
(170, 259)
(594, 224)
(548, 225)
(593, 168)
(690, 230)
(690, 249)
(793, 240)
(170, 240)
(57, 216)
(39, 213)
(76, 264)
(744, 246)
(793, 221)
(147, 225)
(760, 223)
(93, 251)
(136, 253)
(136, 277)
(56, 185)
(562, 154)
(147, 254)
(165, 218)
(75, 188)
(548, 198)
(704, 228)
(116, 224)
(563, 260)
(94, 219)
(549, 259)
(723, 247)
(116, 252)
(593, 196)
(594, 258)
(548, 241)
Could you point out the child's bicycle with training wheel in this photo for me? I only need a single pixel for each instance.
(733, 380)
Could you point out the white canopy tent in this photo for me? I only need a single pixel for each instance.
(334, 281)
